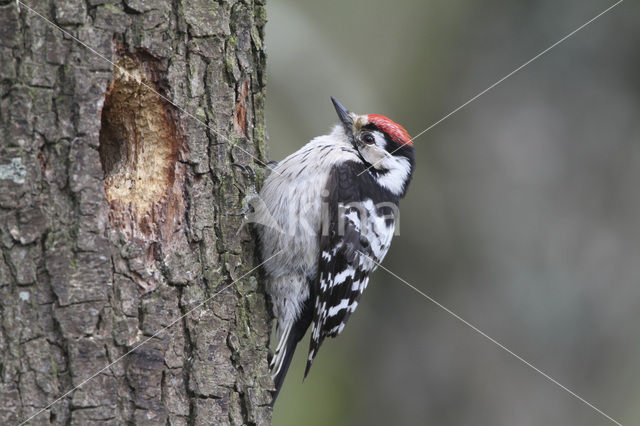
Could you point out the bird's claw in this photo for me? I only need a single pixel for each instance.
(246, 207)
(246, 170)
(246, 203)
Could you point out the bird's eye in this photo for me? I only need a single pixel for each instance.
(368, 138)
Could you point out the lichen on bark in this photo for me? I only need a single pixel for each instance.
(114, 213)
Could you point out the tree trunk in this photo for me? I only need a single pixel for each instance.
(114, 212)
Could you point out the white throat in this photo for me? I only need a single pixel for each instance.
(397, 174)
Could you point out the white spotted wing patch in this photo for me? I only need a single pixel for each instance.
(343, 273)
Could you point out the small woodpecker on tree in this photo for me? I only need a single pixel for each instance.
(329, 210)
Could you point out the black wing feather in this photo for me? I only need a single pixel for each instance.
(340, 263)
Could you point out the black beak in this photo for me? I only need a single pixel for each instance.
(344, 116)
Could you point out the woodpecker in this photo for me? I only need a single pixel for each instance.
(326, 215)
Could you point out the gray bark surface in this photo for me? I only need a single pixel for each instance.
(114, 213)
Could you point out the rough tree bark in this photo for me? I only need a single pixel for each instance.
(114, 212)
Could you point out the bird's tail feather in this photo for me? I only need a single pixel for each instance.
(290, 334)
(277, 361)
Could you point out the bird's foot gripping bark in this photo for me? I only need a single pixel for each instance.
(247, 205)
(254, 209)
(251, 211)
(249, 190)
(252, 196)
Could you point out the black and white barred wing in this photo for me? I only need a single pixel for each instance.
(357, 235)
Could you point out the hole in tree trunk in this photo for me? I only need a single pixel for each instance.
(138, 136)
(143, 179)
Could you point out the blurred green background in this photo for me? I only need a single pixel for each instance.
(523, 216)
